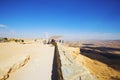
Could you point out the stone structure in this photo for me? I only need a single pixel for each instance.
(71, 70)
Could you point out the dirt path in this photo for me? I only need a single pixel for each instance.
(40, 65)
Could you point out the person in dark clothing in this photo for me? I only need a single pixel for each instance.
(52, 40)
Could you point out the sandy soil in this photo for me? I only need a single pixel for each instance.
(38, 68)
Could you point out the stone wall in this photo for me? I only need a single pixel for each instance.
(70, 69)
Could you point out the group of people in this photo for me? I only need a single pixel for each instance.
(52, 40)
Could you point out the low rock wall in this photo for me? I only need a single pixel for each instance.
(70, 69)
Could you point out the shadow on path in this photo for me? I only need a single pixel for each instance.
(56, 70)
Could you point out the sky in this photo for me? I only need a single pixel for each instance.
(72, 19)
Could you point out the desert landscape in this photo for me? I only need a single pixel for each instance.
(59, 39)
(71, 60)
(102, 58)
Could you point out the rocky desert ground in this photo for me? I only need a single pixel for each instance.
(28, 59)
(102, 58)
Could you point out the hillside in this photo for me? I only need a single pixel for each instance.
(102, 58)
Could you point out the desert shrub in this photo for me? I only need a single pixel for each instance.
(3, 39)
(22, 40)
(16, 40)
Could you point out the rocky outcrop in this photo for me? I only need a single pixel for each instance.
(14, 67)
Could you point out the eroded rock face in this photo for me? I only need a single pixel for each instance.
(13, 68)
(71, 70)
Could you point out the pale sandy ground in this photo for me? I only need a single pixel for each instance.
(38, 68)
